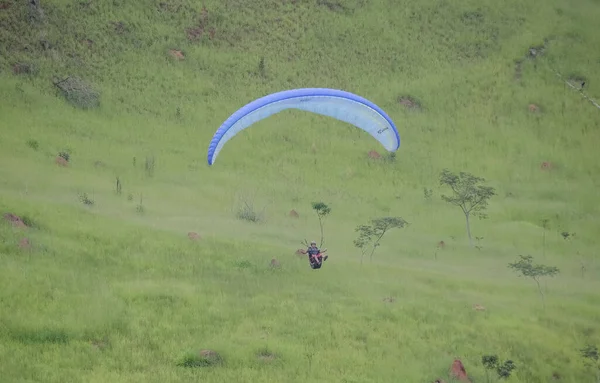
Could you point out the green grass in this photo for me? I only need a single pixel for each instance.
(111, 293)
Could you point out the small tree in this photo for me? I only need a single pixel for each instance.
(492, 363)
(372, 234)
(526, 268)
(365, 236)
(591, 359)
(322, 211)
(471, 197)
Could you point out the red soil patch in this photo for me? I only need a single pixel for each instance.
(478, 307)
(15, 220)
(275, 264)
(61, 161)
(25, 244)
(458, 371)
(374, 155)
(87, 42)
(409, 102)
(533, 108)
(546, 165)
(4, 5)
(294, 214)
(441, 244)
(177, 54)
(193, 236)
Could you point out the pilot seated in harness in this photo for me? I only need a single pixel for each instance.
(315, 256)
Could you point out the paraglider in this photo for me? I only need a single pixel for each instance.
(342, 105)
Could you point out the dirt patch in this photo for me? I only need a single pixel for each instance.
(373, 154)
(294, 214)
(24, 68)
(89, 43)
(441, 244)
(60, 161)
(210, 354)
(24, 244)
(193, 236)
(409, 102)
(4, 5)
(266, 356)
(300, 252)
(547, 165)
(457, 371)
(478, 307)
(176, 54)
(169, 7)
(534, 108)
(275, 264)
(195, 33)
(100, 344)
(15, 220)
(119, 27)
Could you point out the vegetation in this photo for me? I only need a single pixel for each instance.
(370, 235)
(162, 279)
(467, 194)
(526, 268)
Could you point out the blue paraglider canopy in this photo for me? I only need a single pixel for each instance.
(342, 105)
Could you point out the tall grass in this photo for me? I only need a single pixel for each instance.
(115, 292)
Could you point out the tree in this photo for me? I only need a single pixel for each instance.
(468, 194)
(372, 234)
(322, 211)
(526, 268)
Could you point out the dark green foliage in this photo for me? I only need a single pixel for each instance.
(85, 199)
(65, 154)
(503, 370)
(591, 359)
(203, 358)
(33, 144)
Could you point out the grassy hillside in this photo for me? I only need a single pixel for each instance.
(107, 287)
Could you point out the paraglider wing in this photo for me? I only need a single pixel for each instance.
(338, 104)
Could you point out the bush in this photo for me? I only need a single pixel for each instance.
(78, 92)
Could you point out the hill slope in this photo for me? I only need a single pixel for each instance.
(121, 275)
